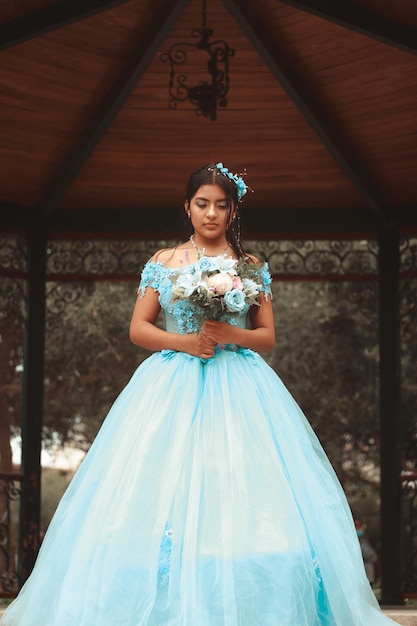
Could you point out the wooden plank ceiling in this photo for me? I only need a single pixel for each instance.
(321, 112)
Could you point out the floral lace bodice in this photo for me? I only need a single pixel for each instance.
(182, 316)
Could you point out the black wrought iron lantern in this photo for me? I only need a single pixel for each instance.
(209, 94)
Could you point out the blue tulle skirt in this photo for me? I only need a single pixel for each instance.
(205, 500)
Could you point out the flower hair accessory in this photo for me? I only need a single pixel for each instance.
(241, 186)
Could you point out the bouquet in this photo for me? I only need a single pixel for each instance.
(219, 285)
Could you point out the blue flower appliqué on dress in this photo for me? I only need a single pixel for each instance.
(164, 562)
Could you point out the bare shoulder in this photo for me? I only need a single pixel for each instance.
(174, 257)
(163, 255)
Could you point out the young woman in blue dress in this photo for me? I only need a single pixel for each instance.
(206, 498)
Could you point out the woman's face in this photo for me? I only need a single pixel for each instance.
(209, 211)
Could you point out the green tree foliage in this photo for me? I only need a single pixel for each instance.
(11, 354)
(327, 355)
(408, 309)
(89, 357)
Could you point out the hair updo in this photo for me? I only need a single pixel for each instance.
(210, 175)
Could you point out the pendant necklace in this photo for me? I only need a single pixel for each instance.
(202, 252)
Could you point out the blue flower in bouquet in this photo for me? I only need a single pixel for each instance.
(204, 264)
(235, 300)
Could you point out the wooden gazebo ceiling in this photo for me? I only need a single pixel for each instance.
(322, 113)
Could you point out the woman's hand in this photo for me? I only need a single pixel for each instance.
(259, 337)
(200, 345)
(220, 332)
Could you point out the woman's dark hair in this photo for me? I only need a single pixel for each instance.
(210, 175)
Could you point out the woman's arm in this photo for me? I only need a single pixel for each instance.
(144, 333)
(261, 335)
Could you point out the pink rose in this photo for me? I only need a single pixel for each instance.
(237, 283)
(220, 283)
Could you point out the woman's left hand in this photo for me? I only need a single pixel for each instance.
(220, 332)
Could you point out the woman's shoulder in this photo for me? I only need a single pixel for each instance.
(172, 258)
(162, 256)
(251, 258)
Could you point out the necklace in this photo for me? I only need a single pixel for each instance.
(202, 251)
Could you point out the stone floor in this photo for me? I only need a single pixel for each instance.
(401, 615)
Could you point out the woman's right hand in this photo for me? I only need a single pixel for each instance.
(200, 345)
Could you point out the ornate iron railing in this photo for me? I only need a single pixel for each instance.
(298, 259)
(319, 260)
(408, 256)
(295, 260)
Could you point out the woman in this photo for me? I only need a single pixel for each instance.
(206, 499)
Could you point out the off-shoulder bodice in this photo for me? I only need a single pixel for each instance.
(182, 316)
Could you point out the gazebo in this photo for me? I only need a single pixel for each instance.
(315, 99)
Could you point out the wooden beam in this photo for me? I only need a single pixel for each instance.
(362, 20)
(164, 20)
(303, 99)
(265, 223)
(278, 223)
(140, 221)
(50, 18)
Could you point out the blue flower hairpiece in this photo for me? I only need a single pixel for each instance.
(241, 186)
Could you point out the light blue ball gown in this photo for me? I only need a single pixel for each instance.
(205, 500)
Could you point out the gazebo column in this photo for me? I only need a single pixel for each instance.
(32, 405)
(389, 333)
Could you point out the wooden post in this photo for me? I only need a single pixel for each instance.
(32, 405)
